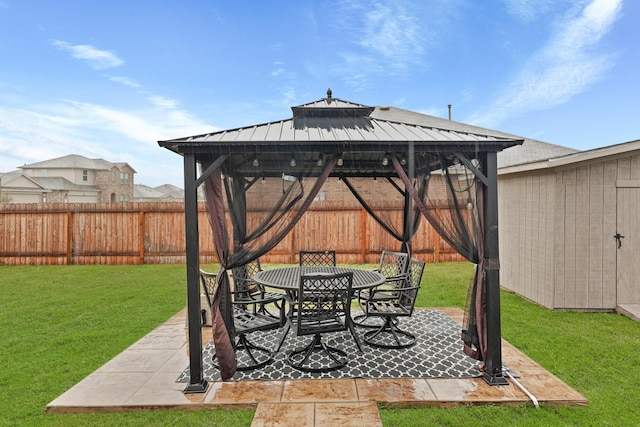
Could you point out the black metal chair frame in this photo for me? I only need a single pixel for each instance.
(248, 292)
(322, 305)
(401, 305)
(317, 258)
(246, 321)
(393, 266)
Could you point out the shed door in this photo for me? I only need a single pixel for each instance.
(628, 252)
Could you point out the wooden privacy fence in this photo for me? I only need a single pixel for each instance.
(153, 233)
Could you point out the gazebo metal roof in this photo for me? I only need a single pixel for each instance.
(337, 127)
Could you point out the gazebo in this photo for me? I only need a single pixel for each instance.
(355, 143)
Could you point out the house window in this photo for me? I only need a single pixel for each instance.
(124, 177)
(113, 176)
(85, 175)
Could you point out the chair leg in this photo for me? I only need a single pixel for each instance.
(259, 356)
(283, 335)
(389, 329)
(362, 321)
(352, 329)
(297, 358)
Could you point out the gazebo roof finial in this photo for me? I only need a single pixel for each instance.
(329, 93)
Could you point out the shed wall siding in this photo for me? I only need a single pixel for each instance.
(585, 251)
(526, 235)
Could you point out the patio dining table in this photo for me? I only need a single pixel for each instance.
(288, 279)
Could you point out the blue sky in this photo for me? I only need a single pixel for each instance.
(110, 79)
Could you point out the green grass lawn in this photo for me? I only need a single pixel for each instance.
(60, 323)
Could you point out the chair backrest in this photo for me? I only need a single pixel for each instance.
(407, 297)
(393, 263)
(318, 258)
(322, 299)
(243, 275)
(208, 283)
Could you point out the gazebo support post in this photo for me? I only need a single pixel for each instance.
(493, 359)
(197, 383)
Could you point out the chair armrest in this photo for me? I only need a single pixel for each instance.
(391, 292)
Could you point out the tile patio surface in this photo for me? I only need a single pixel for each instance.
(143, 378)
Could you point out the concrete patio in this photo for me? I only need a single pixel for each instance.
(143, 378)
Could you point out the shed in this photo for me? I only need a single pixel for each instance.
(570, 229)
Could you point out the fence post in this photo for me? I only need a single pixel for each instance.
(292, 251)
(69, 237)
(363, 239)
(141, 236)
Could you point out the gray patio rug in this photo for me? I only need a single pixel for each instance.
(436, 354)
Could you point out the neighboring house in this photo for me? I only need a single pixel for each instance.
(570, 229)
(17, 188)
(69, 179)
(166, 192)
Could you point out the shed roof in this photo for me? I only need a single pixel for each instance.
(611, 151)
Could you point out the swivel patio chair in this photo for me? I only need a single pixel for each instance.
(208, 286)
(312, 258)
(246, 321)
(393, 266)
(389, 335)
(323, 306)
(249, 293)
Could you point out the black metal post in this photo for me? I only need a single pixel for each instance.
(493, 358)
(197, 383)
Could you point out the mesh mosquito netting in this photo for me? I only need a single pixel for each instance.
(440, 187)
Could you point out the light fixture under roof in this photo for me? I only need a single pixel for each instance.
(385, 161)
(255, 163)
(292, 163)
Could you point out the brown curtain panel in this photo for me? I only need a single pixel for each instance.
(249, 218)
(456, 216)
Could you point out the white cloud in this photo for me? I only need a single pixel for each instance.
(93, 130)
(277, 72)
(162, 102)
(124, 81)
(529, 10)
(391, 31)
(96, 58)
(565, 67)
(388, 33)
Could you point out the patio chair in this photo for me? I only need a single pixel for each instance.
(322, 306)
(393, 266)
(245, 321)
(208, 286)
(250, 293)
(389, 335)
(318, 258)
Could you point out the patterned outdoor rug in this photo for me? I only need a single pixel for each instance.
(436, 354)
